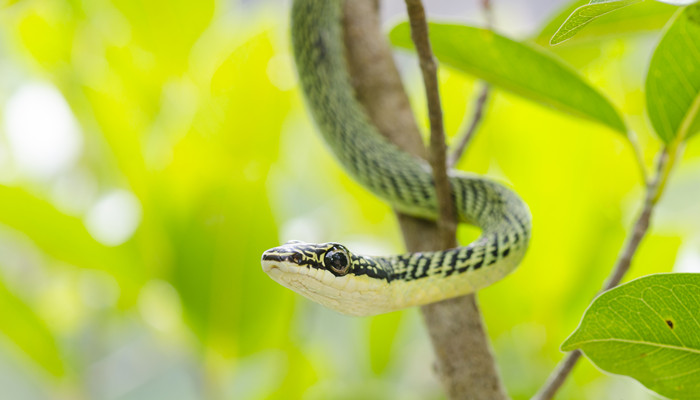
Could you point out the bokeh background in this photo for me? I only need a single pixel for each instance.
(150, 151)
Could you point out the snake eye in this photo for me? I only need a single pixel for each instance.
(337, 261)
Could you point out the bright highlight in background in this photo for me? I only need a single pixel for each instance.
(42, 132)
(114, 218)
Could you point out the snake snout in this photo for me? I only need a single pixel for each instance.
(270, 260)
(272, 255)
(281, 256)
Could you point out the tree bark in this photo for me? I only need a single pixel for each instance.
(465, 362)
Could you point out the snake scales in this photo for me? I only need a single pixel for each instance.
(354, 284)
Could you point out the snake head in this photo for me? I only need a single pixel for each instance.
(332, 257)
(329, 274)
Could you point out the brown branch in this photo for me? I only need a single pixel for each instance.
(622, 265)
(375, 78)
(447, 218)
(464, 360)
(474, 123)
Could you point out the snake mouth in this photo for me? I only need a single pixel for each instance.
(269, 264)
(267, 267)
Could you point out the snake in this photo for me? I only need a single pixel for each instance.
(362, 285)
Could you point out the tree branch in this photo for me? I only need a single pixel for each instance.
(464, 360)
(622, 265)
(474, 123)
(447, 218)
(638, 156)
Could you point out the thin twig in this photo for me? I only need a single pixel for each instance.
(622, 265)
(638, 155)
(478, 113)
(447, 221)
(558, 376)
(641, 226)
(474, 123)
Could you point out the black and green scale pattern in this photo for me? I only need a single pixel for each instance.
(401, 179)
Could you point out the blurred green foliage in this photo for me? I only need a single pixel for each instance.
(193, 108)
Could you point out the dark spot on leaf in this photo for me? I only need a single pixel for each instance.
(669, 323)
(642, 355)
(693, 13)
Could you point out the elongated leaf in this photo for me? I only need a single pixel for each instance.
(648, 329)
(643, 17)
(23, 327)
(516, 67)
(382, 333)
(673, 81)
(216, 277)
(59, 235)
(585, 14)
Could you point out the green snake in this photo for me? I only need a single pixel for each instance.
(332, 275)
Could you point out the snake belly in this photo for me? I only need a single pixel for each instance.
(330, 273)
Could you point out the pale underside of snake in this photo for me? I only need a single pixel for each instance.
(353, 284)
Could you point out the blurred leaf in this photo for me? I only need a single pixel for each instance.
(64, 237)
(647, 329)
(673, 80)
(167, 28)
(223, 221)
(229, 302)
(298, 378)
(643, 17)
(23, 327)
(8, 3)
(585, 14)
(382, 333)
(45, 38)
(515, 67)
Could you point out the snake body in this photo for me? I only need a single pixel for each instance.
(331, 274)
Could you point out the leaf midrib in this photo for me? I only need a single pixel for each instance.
(666, 346)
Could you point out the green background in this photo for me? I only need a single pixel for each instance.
(191, 112)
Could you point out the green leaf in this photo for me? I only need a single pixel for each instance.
(643, 17)
(585, 14)
(673, 80)
(648, 329)
(516, 67)
(24, 328)
(59, 235)
(382, 334)
(215, 276)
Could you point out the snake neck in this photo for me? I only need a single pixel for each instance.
(394, 175)
(320, 57)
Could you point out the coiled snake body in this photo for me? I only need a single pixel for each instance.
(354, 284)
